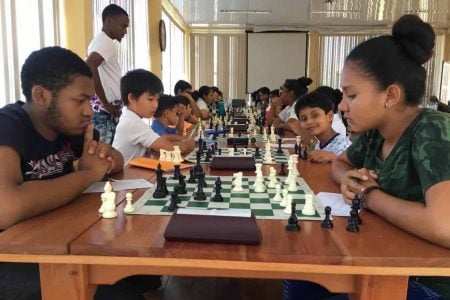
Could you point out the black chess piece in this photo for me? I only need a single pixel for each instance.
(305, 154)
(159, 190)
(207, 156)
(352, 225)
(260, 129)
(174, 200)
(192, 176)
(282, 169)
(204, 146)
(293, 220)
(218, 186)
(279, 151)
(296, 148)
(224, 131)
(211, 123)
(214, 137)
(216, 128)
(220, 151)
(181, 185)
(200, 194)
(200, 145)
(176, 172)
(356, 207)
(235, 148)
(257, 153)
(326, 223)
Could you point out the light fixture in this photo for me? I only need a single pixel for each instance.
(246, 11)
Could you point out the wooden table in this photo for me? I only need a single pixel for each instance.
(76, 249)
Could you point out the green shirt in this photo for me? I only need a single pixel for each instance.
(420, 159)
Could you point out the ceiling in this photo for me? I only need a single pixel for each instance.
(309, 14)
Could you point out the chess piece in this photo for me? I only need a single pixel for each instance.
(200, 194)
(191, 176)
(174, 200)
(305, 154)
(176, 172)
(129, 207)
(110, 206)
(308, 208)
(257, 153)
(296, 149)
(218, 186)
(293, 220)
(277, 197)
(288, 209)
(237, 182)
(160, 189)
(181, 185)
(326, 223)
(279, 151)
(356, 207)
(282, 169)
(352, 225)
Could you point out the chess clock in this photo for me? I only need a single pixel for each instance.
(162, 35)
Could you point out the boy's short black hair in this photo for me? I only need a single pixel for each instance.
(53, 68)
(112, 10)
(275, 93)
(138, 82)
(264, 90)
(313, 100)
(204, 91)
(165, 102)
(195, 95)
(182, 100)
(181, 85)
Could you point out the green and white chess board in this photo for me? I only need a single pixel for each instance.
(260, 204)
(277, 158)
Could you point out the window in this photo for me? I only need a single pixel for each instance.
(173, 57)
(335, 48)
(134, 48)
(25, 26)
(217, 59)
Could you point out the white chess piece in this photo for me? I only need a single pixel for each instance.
(288, 209)
(162, 154)
(298, 139)
(292, 187)
(272, 178)
(110, 206)
(284, 200)
(260, 187)
(230, 151)
(308, 208)
(277, 197)
(103, 198)
(237, 182)
(177, 155)
(244, 151)
(129, 207)
(231, 132)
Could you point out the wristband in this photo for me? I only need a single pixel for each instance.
(363, 195)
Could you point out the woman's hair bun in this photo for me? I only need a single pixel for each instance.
(415, 36)
(304, 81)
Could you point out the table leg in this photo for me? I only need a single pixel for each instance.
(380, 287)
(60, 281)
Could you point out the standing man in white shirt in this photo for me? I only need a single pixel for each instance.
(103, 60)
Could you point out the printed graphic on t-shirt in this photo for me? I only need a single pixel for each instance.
(51, 165)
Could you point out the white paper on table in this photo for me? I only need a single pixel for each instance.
(119, 185)
(336, 202)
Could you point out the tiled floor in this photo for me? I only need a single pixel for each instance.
(199, 288)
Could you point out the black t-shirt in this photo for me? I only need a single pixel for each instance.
(39, 158)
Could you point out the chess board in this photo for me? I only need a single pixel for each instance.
(260, 204)
(277, 158)
(259, 138)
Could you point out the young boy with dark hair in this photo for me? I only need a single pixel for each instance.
(140, 90)
(185, 110)
(166, 120)
(315, 113)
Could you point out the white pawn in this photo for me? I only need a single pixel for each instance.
(277, 197)
(260, 187)
(129, 208)
(244, 151)
(272, 178)
(308, 208)
(288, 209)
(292, 187)
(231, 132)
(284, 200)
(103, 198)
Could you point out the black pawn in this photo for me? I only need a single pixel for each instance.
(174, 200)
(200, 194)
(326, 223)
(279, 151)
(282, 169)
(181, 185)
(191, 176)
(159, 190)
(218, 186)
(220, 151)
(176, 172)
(356, 207)
(293, 220)
(257, 153)
(352, 225)
(296, 148)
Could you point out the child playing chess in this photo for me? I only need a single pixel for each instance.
(186, 111)
(166, 119)
(140, 90)
(315, 112)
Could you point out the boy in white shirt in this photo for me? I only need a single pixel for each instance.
(140, 90)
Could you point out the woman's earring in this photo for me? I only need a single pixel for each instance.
(385, 104)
